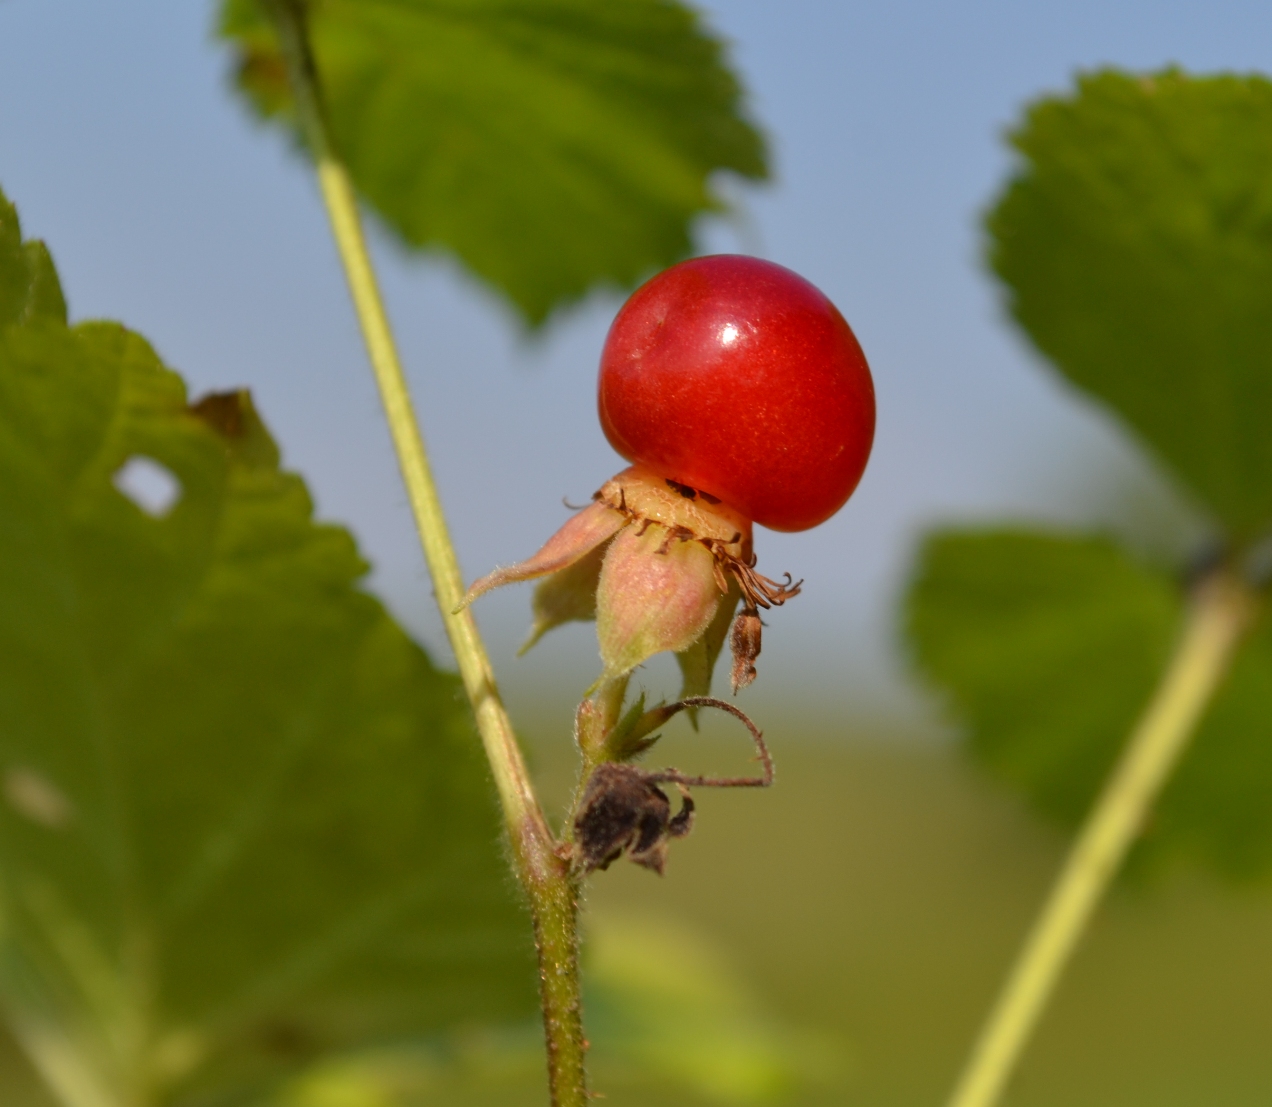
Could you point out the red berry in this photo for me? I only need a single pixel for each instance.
(737, 377)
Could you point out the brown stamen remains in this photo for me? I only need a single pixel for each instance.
(757, 589)
(689, 514)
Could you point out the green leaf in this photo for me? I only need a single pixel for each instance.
(243, 819)
(1216, 808)
(29, 288)
(551, 145)
(1049, 647)
(1136, 244)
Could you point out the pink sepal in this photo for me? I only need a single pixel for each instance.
(658, 591)
(582, 533)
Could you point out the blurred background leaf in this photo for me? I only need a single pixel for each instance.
(1135, 242)
(1049, 647)
(873, 896)
(550, 145)
(669, 1020)
(669, 1009)
(243, 819)
(1136, 246)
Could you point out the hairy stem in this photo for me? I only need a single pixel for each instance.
(1220, 611)
(546, 877)
(595, 718)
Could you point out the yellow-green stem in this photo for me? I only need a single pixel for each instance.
(546, 877)
(1220, 610)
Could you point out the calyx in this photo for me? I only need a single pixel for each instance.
(661, 566)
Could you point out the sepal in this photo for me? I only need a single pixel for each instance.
(698, 662)
(746, 647)
(568, 595)
(658, 591)
(581, 534)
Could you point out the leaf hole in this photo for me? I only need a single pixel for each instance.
(150, 485)
(37, 798)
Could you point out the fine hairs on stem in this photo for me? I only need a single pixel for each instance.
(545, 876)
(1219, 613)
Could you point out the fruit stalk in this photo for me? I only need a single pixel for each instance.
(1221, 609)
(545, 877)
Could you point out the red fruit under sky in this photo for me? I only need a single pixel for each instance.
(742, 397)
(736, 377)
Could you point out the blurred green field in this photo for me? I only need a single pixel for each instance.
(874, 897)
(837, 939)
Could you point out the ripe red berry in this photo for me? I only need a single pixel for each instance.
(738, 378)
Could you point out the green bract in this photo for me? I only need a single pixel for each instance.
(243, 820)
(550, 144)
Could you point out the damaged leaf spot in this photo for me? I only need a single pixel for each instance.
(223, 411)
(150, 485)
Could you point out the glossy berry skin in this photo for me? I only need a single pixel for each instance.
(738, 378)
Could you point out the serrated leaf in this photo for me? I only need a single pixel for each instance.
(29, 288)
(243, 819)
(551, 145)
(1049, 648)
(1136, 244)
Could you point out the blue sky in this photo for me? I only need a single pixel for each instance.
(167, 208)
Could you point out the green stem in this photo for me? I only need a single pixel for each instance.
(596, 717)
(1220, 611)
(546, 876)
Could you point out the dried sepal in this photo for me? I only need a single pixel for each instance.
(658, 591)
(582, 533)
(746, 647)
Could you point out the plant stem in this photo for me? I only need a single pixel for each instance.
(595, 718)
(546, 877)
(1220, 611)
